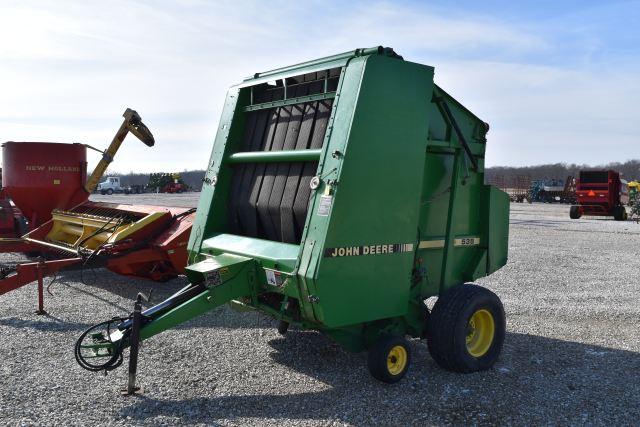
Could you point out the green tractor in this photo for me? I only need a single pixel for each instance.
(167, 183)
(340, 194)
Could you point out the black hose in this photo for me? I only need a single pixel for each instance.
(55, 277)
(185, 213)
(88, 258)
(116, 358)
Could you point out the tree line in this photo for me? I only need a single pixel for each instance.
(630, 170)
(558, 171)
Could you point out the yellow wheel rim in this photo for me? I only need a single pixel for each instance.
(397, 360)
(480, 332)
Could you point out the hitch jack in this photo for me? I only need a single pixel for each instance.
(132, 389)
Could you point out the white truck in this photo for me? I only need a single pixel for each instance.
(110, 185)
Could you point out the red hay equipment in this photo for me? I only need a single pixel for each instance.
(44, 209)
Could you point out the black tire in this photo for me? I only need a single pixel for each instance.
(109, 191)
(283, 327)
(543, 196)
(620, 213)
(389, 358)
(449, 330)
(103, 192)
(574, 212)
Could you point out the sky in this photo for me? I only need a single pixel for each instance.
(558, 81)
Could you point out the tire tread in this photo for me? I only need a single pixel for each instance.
(443, 321)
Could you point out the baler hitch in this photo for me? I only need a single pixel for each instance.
(106, 341)
(224, 278)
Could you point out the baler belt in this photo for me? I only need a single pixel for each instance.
(301, 203)
(256, 182)
(270, 170)
(270, 201)
(245, 174)
(290, 233)
(291, 142)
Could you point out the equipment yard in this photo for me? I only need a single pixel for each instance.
(571, 353)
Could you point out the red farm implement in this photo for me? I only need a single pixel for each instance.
(46, 199)
(600, 193)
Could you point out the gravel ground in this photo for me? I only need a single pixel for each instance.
(571, 355)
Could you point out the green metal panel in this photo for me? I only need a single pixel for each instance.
(334, 61)
(498, 228)
(276, 255)
(397, 193)
(380, 124)
(235, 279)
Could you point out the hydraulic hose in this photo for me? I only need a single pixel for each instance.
(124, 324)
(116, 356)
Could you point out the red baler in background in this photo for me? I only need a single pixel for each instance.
(600, 193)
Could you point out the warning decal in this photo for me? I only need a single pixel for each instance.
(325, 205)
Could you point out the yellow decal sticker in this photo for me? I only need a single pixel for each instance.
(467, 241)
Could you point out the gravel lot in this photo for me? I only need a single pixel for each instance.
(571, 356)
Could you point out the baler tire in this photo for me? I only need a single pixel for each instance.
(620, 213)
(449, 330)
(389, 358)
(574, 212)
(283, 327)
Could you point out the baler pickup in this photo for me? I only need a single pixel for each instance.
(340, 194)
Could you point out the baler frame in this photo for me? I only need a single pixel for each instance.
(329, 276)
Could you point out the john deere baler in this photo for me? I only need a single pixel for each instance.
(340, 194)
